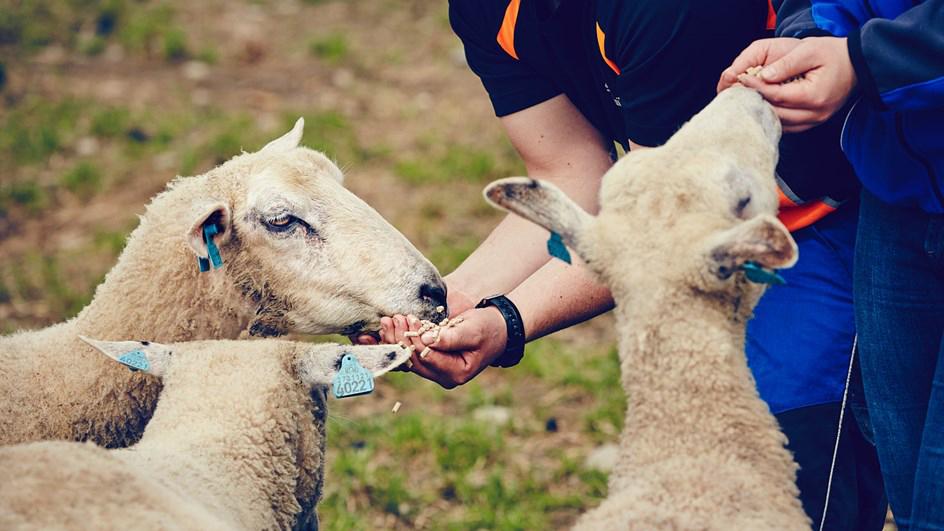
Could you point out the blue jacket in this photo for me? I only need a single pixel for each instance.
(894, 133)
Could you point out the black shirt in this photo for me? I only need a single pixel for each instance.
(657, 66)
(636, 69)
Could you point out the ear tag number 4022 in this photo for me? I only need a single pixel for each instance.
(135, 360)
(352, 379)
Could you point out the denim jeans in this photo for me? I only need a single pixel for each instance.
(899, 300)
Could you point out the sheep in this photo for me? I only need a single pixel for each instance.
(300, 254)
(237, 441)
(700, 449)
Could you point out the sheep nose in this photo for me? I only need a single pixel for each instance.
(435, 294)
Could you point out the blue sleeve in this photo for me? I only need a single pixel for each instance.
(818, 18)
(512, 84)
(899, 62)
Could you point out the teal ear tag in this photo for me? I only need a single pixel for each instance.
(135, 360)
(208, 232)
(557, 249)
(758, 275)
(352, 379)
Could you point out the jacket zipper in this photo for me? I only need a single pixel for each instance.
(935, 186)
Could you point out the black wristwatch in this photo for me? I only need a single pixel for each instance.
(514, 348)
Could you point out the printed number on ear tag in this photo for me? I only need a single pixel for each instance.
(352, 379)
(135, 360)
(758, 275)
(557, 249)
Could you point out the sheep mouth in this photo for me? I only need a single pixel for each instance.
(359, 327)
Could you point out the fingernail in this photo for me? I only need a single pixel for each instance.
(768, 73)
(428, 338)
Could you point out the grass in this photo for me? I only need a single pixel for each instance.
(333, 48)
(84, 179)
(458, 163)
(433, 465)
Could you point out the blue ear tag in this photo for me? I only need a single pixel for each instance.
(557, 249)
(135, 360)
(352, 379)
(758, 275)
(208, 232)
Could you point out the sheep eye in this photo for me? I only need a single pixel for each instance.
(280, 223)
(742, 204)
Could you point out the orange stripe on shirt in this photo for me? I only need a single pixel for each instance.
(771, 15)
(506, 34)
(796, 217)
(601, 38)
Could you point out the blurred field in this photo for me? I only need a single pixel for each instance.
(104, 101)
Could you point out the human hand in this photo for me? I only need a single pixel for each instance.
(827, 79)
(760, 53)
(456, 301)
(459, 352)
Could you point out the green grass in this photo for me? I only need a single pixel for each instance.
(458, 163)
(84, 179)
(332, 48)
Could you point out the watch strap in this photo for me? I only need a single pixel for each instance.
(514, 346)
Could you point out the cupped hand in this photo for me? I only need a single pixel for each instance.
(762, 52)
(457, 302)
(459, 352)
(808, 84)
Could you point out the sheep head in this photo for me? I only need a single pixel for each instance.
(686, 215)
(312, 257)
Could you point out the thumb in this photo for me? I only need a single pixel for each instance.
(449, 339)
(796, 63)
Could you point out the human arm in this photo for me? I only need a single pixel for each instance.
(557, 144)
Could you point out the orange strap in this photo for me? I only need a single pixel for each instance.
(796, 217)
(771, 15)
(601, 38)
(506, 33)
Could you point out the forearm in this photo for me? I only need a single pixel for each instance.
(559, 295)
(511, 253)
(517, 248)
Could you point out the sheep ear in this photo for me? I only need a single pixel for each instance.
(287, 141)
(319, 364)
(206, 215)
(152, 358)
(542, 203)
(762, 239)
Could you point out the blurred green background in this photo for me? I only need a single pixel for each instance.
(102, 102)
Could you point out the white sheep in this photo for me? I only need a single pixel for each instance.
(300, 254)
(700, 449)
(236, 442)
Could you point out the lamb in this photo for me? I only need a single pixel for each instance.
(699, 449)
(237, 441)
(300, 254)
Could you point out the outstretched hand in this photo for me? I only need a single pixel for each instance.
(806, 80)
(458, 353)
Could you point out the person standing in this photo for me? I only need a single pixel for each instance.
(886, 59)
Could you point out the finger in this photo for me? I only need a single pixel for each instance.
(427, 371)
(452, 339)
(799, 94)
(797, 120)
(799, 61)
(414, 327)
(386, 330)
(459, 368)
(400, 327)
(753, 55)
(363, 339)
